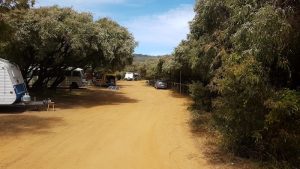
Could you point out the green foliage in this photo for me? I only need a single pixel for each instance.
(239, 109)
(117, 44)
(281, 133)
(8, 5)
(145, 66)
(47, 39)
(266, 37)
(201, 96)
(209, 17)
(52, 39)
(154, 67)
(170, 68)
(244, 56)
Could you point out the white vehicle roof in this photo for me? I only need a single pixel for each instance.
(77, 69)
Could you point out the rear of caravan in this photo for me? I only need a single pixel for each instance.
(12, 86)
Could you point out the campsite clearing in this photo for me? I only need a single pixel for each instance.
(136, 127)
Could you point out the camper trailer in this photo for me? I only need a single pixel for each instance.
(12, 86)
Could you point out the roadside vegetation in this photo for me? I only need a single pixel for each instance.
(242, 61)
(147, 66)
(50, 40)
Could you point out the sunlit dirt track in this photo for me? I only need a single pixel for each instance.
(137, 127)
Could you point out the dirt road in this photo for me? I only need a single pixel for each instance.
(137, 127)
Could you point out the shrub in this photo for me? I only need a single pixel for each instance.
(280, 137)
(201, 96)
(255, 119)
(240, 110)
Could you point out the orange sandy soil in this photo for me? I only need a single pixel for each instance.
(137, 127)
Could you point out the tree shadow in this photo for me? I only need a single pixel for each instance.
(91, 97)
(12, 109)
(123, 85)
(220, 158)
(202, 128)
(14, 125)
(176, 94)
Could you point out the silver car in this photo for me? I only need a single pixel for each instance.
(160, 84)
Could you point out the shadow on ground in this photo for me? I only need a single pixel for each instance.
(12, 110)
(13, 125)
(202, 128)
(122, 85)
(176, 94)
(87, 98)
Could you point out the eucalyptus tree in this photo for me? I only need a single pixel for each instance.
(244, 56)
(52, 39)
(117, 45)
(7, 6)
(46, 39)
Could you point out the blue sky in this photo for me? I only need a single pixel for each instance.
(157, 25)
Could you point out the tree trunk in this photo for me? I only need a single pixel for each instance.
(57, 81)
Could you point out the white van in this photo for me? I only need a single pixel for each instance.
(12, 86)
(129, 76)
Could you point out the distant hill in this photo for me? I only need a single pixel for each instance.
(143, 58)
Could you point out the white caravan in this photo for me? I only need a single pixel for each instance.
(12, 86)
(129, 76)
(73, 77)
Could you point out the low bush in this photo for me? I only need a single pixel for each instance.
(255, 120)
(201, 96)
(280, 137)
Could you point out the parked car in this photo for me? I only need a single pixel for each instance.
(161, 84)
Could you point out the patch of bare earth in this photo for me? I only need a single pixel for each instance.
(137, 127)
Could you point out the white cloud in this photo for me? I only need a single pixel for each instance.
(163, 30)
(156, 34)
(91, 6)
(78, 2)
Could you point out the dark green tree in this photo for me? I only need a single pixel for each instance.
(52, 39)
